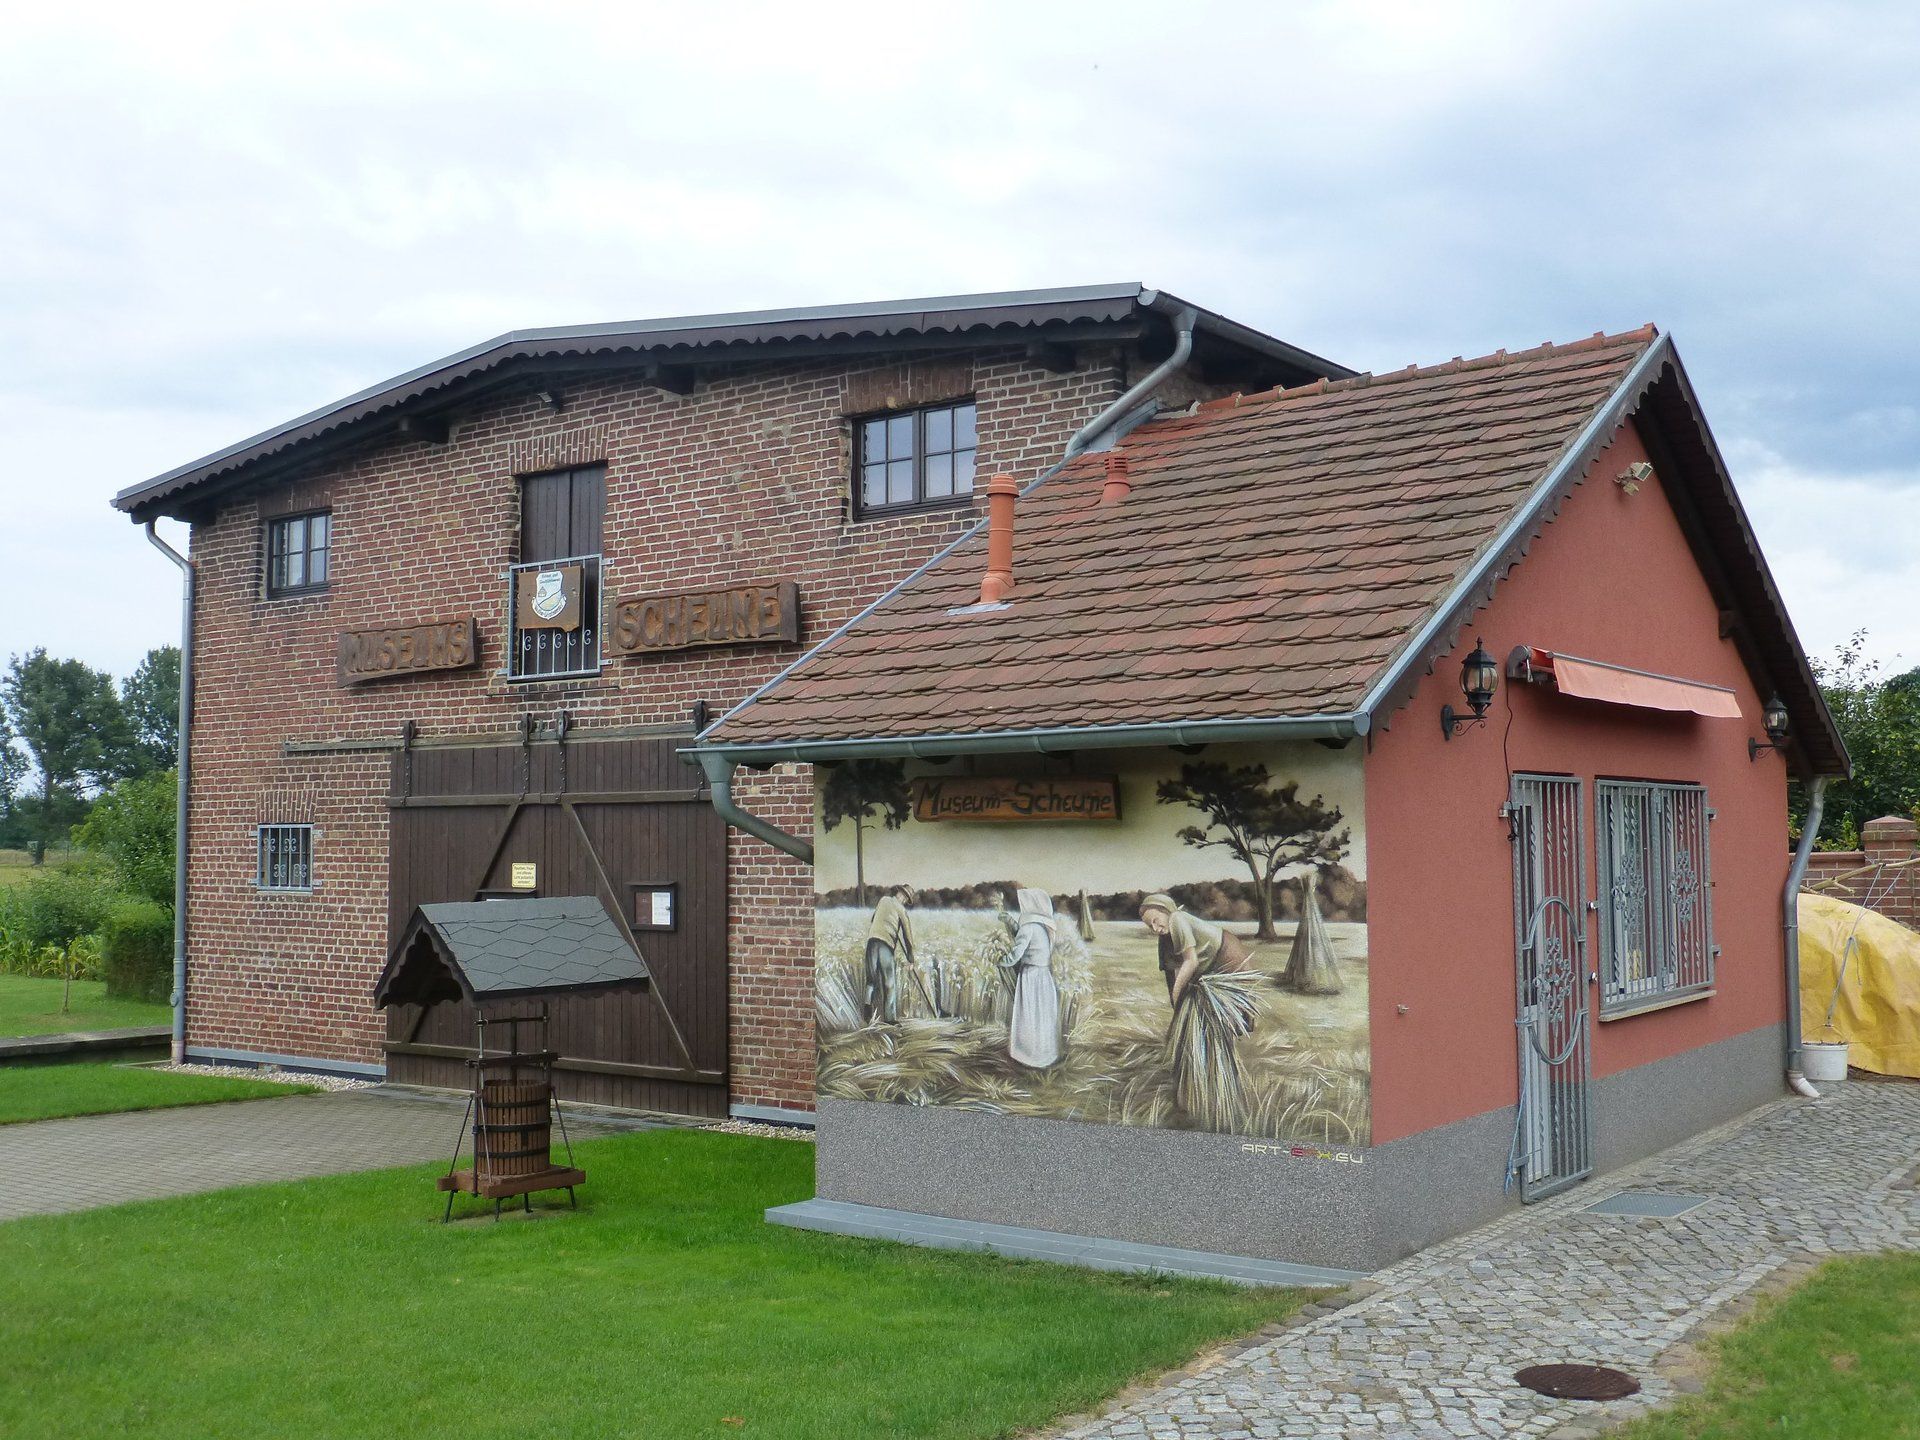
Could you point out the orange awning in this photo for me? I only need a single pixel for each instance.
(1620, 685)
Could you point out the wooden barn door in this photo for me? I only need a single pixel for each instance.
(608, 818)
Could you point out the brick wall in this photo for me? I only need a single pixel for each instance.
(745, 479)
(1872, 876)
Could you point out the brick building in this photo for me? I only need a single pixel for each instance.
(385, 714)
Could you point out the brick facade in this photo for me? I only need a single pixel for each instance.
(747, 478)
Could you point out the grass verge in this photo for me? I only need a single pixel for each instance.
(31, 1006)
(49, 1092)
(1833, 1357)
(665, 1307)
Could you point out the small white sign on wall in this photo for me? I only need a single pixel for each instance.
(526, 875)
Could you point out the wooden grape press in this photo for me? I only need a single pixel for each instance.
(510, 953)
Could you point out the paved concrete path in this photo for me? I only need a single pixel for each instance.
(1430, 1348)
(51, 1166)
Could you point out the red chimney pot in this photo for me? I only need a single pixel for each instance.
(1001, 490)
(1118, 482)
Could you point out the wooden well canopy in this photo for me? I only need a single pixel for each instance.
(493, 949)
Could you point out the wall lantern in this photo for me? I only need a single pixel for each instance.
(1479, 673)
(1774, 717)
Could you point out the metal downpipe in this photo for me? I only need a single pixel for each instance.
(1182, 351)
(719, 772)
(1816, 805)
(179, 997)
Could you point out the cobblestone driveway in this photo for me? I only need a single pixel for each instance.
(1431, 1346)
(56, 1165)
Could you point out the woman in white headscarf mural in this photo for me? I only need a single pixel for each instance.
(1033, 1030)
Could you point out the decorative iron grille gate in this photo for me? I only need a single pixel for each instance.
(1553, 1135)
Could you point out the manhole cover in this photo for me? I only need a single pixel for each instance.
(1653, 1204)
(1578, 1382)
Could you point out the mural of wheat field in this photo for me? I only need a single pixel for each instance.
(1300, 1072)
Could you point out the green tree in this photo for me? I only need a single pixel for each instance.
(131, 826)
(68, 716)
(13, 773)
(1267, 827)
(1879, 719)
(150, 697)
(858, 790)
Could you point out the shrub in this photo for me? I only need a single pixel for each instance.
(57, 906)
(136, 950)
(132, 827)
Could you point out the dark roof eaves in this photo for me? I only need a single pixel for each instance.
(932, 314)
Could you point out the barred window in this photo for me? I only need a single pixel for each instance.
(919, 457)
(286, 857)
(1656, 884)
(297, 553)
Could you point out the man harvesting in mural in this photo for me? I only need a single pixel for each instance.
(889, 942)
(1206, 967)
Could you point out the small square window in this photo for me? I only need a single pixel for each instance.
(297, 554)
(921, 457)
(285, 857)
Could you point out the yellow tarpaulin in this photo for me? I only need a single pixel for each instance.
(1878, 1012)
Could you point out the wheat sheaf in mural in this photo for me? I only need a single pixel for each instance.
(1200, 963)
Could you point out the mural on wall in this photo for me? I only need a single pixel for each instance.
(1180, 942)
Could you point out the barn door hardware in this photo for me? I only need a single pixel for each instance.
(562, 723)
(408, 732)
(526, 751)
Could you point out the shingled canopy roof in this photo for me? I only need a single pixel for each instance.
(1296, 558)
(486, 949)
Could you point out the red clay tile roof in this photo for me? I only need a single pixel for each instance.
(1276, 552)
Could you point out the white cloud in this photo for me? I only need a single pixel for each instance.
(219, 216)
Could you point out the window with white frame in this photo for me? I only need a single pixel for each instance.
(1656, 892)
(286, 857)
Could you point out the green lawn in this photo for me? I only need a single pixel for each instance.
(31, 1006)
(1838, 1356)
(47, 1092)
(665, 1308)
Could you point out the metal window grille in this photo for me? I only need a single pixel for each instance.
(286, 857)
(540, 654)
(298, 553)
(1656, 884)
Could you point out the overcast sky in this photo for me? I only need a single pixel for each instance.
(213, 219)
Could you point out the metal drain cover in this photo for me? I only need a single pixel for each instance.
(1651, 1204)
(1578, 1382)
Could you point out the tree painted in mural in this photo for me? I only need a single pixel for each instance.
(1266, 826)
(860, 791)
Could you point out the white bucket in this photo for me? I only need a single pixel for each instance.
(1824, 1063)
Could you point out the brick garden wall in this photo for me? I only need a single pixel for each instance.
(745, 479)
(1857, 876)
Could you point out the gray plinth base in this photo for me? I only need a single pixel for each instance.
(838, 1217)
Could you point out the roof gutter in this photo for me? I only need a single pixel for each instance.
(1816, 807)
(1055, 740)
(1453, 608)
(719, 770)
(179, 996)
(1183, 324)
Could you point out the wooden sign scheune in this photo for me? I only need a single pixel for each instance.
(408, 650)
(761, 614)
(1017, 797)
(549, 599)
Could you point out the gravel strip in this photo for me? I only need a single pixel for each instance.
(763, 1130)
(284, 1077)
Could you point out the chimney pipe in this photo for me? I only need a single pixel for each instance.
(999, 577)
(1118, 484)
